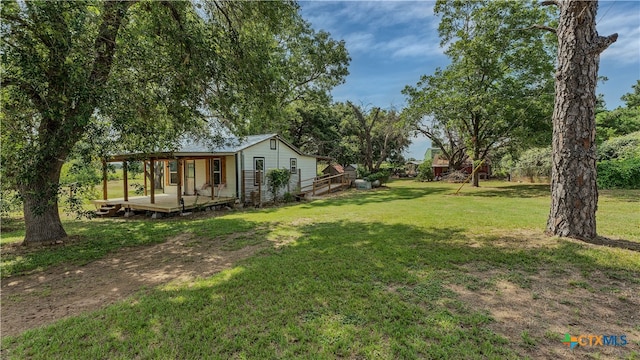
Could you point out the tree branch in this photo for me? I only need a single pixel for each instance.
(543, 27)
(550, 2)
(602, 43)
(105, 44)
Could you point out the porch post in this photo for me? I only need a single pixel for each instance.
(179, 188)
(260, 187)
(210, 180)
(152, 172)
(144, 172)
(104, 179)
(126, 181)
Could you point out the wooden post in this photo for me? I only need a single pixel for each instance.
(179, 188)
(299, 179)
(242, 196)
(329, 191)
(314, 187)
(152, 173)
(259, 187)
(211, 177)
(144, 171)
(126, 181)
(104, 180)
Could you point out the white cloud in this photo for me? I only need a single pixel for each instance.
(387, 13)
(360, 42)
(412, 46)
(627, 24)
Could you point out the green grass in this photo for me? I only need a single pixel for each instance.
(364, 275)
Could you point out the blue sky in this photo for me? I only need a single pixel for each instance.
(393, 43)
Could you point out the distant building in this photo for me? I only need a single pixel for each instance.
(336, 169)
(411, 167)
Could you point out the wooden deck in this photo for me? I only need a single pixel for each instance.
(165, 203)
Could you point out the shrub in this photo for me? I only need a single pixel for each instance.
(277, 179)
(288, 197)
(622, 147)
(425, 171)
(619, 174)
(361, 172)
(533, 163)
(503, 168)
(382, 176)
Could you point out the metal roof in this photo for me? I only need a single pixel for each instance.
(230, 145)
(192, 147)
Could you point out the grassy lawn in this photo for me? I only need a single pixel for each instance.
(411, 271)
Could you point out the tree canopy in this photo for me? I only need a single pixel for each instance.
(497, 85)
(621, 120)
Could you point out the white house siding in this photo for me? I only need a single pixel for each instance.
(308, 166)
(278, 159)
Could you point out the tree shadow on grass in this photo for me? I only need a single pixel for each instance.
(380, 195)
(92, 240)
(341, 289)
(512, 191)
(615, 243)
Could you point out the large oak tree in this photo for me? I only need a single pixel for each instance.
(496, 84)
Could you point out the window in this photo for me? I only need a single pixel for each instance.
(258, 171)
(273, 144)
(173, 172)
(217, 172)
(293, 165)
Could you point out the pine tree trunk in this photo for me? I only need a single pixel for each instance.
(40, 197)
(574, 193)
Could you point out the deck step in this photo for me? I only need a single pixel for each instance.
(107, 208)
(99, 212)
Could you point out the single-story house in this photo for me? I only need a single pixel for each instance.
(218, 174)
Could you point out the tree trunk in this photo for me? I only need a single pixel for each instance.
(476, 179)
(574, 193)
(40, 197)
(158, 173)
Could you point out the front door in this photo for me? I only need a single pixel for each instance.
(190, 177)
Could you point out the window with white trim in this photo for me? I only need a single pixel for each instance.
(173, 172)
(217, 172)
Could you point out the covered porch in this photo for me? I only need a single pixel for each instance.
(186, 182)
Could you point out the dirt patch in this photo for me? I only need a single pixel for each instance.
(34, 300)
(535, 315)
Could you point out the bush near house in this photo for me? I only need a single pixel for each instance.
(277, 179)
